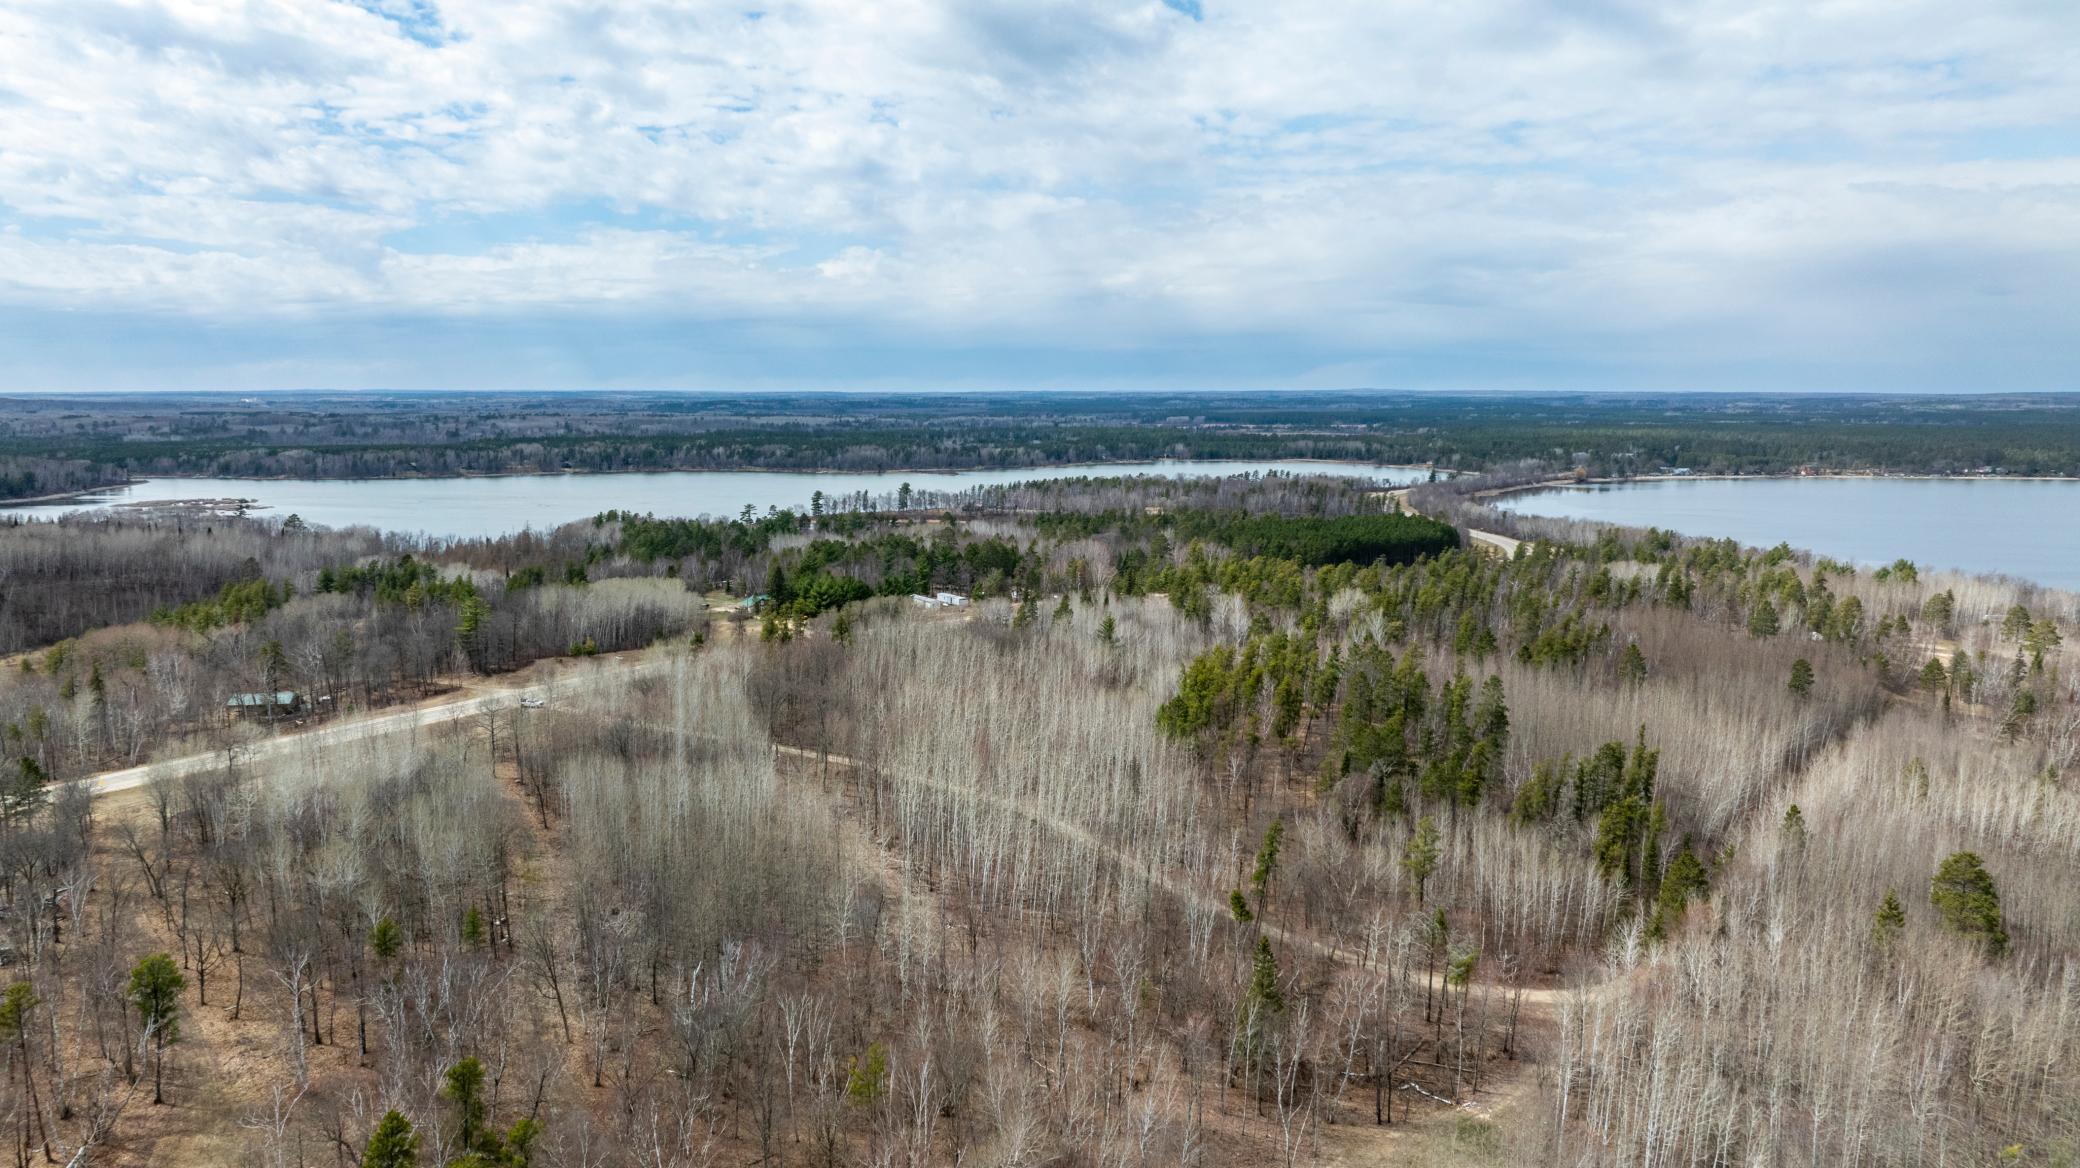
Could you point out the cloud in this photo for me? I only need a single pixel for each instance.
(1722, 195)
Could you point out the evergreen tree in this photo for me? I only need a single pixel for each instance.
(469, 631)
(2016, 623)
(866, 1078)
(1888, 922)
(1934, 677)
(1684, 882)
(26, 791)
(1267, 862)
(1632, 666)
(1618, 834)
(1108, 631)
(1962, 677)
(1061, 609)
(465, 1089)
(155, 988)
(1540, 795)
(1847, 624)
(393, 1144)
(1420, 860)
(1762, 619)
(2043, 637)
(385, 939)
(1263, 996)
(1964, 895)
(1801, 682)
(1939, 610)
(1794, 829)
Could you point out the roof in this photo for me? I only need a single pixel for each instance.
(285, 697)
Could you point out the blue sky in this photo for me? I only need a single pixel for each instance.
(914, 194)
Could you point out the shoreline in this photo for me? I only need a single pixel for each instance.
(1563, 484)
(1479, 495)
(1042, 468)
(65, 496)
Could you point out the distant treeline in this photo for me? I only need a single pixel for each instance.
(398, 435)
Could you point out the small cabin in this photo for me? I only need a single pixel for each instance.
(264, 705)
(952, 600)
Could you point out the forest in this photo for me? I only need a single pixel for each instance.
(51, 444)
(1262, 820)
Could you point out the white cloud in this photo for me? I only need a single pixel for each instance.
(1725, 182)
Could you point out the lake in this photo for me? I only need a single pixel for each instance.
(473, 507)
(2015, 527)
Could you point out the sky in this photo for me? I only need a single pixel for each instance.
(910, 194)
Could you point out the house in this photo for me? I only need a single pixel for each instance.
(261, 705)
(754, 603)
(941, 600)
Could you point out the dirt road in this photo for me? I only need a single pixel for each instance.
(463, 703)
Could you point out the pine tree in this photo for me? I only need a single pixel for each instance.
(1618, 833)
(1939, 609)
(1762, 619)
(1263, 996)
(1684, 882)
(26, 792)
(2043, 638)
(1963, 892)
(465, 1089)
(1794, 829)
(1632, 667)
(155, 988)
(1888, 922)
(1801, 682)
(866, 1078)
(1108, 630)
(393, 1145)
(385, 939)
(1238, 904)
(2016, 623)
(1962, 676)
(1267, 862)
(1420, 860)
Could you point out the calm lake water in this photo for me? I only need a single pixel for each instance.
(2017, 528)
(495, 506)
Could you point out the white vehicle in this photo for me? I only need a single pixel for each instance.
(531, 702)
